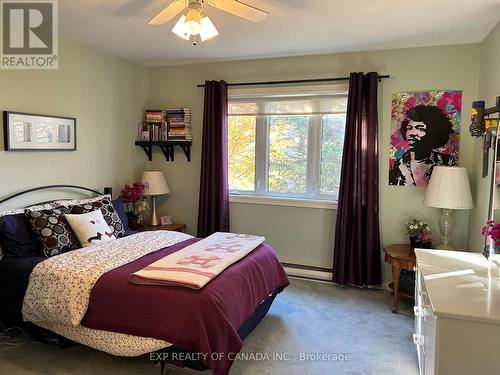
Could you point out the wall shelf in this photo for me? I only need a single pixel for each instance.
(167, 147)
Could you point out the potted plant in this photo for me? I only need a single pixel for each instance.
(130, 194)
(493, 230)
(420, 233)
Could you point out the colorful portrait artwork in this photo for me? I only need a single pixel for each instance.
(425, 132)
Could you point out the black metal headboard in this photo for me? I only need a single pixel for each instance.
(107, 190)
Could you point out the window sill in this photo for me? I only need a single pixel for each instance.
(276, 201)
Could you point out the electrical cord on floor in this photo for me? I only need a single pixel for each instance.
(8, 339)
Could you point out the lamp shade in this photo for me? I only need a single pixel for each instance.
(449, 188)
(154, 183)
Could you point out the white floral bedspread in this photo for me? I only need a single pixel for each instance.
(119, 344)
(59, 287)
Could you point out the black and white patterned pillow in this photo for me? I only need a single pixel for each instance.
(53, 230)
(108, 212)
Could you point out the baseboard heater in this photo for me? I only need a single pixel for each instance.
(308, 272)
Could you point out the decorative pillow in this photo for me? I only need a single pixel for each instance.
(53, 231)
(108, 212)
(90, 228)
(120, 210)
(16, 237)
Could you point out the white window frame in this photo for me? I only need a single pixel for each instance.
(313, 196)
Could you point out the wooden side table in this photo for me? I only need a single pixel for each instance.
(172, 227)
(401, 257)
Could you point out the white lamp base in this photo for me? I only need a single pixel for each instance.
(446, 225)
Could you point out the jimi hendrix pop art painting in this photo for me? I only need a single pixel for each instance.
(425, 132)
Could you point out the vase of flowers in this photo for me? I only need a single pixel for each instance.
(420, 233)
(493, 231)
(130, 194)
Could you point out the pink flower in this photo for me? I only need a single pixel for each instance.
(425, 236)
(130, 194)
(495, 232)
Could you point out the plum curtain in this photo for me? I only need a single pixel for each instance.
(357, 243)
(213, 211)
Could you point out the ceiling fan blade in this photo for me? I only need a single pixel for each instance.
(173, 9)
(240, 9)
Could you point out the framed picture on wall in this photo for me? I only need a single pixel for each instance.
(33, 132)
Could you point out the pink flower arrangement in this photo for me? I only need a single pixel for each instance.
(425, 236)
(131, 194)
(493, 230)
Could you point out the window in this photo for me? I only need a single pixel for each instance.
(286, 142)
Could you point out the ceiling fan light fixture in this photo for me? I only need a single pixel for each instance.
(180, 28)
(208, 29)
(193, 21)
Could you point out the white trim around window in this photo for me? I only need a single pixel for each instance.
(278, 201)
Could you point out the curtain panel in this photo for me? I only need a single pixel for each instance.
(213, 211)
(357, 242)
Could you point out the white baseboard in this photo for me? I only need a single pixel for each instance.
(320, 275)
(311, 274)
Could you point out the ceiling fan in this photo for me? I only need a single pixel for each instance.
(194, 22)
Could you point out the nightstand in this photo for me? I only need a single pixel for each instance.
(172, 227)
(400, 257)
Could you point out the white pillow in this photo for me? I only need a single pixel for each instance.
(90, 228)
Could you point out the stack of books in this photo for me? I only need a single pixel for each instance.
(172, 124)
(155, 116)
(179, 124)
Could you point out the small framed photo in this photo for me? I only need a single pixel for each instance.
(165, 220)
(32, 132)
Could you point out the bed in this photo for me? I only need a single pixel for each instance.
(87, 297)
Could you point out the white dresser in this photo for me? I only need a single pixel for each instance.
(457, 313)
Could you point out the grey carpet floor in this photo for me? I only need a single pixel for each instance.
(312, 328)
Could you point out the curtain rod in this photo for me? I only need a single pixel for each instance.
(380, 77)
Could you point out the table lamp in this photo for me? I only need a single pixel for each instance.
(154, 184)
(448, 189)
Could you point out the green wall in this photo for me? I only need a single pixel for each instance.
(489, 89)
(105, 94)
(304, 235)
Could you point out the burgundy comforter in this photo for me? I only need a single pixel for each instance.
(203, 321)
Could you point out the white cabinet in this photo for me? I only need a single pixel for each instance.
(457, 313)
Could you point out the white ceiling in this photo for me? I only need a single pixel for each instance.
(295, 27)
